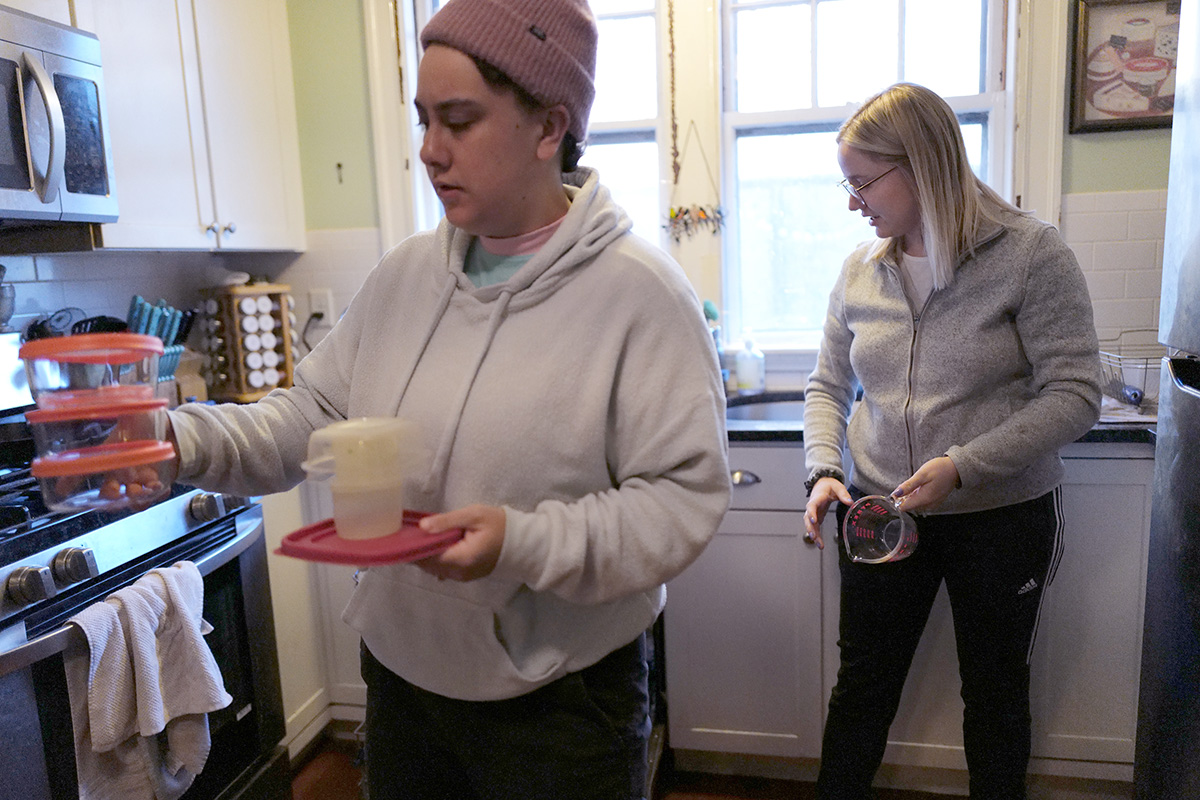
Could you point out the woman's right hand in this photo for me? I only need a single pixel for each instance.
(825, 492)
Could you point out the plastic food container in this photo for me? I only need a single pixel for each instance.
(90, 362)
(108, 477)
(59, 429)
(367, 461)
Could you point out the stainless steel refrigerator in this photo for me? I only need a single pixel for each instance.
(1167, 761)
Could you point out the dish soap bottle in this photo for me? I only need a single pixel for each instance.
(751, 369)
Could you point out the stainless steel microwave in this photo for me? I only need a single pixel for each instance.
(55, 156)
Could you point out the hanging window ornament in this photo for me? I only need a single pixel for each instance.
(687, 220)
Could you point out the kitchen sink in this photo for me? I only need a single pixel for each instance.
(767, 406)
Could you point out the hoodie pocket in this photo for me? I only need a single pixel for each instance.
(441, 642)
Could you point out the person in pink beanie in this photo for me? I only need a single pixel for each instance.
(566, 388)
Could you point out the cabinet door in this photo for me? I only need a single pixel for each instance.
(1087, 660)
(250, 114)
(1087, 656)
(56, 10)
(743, 634)
(160, 155)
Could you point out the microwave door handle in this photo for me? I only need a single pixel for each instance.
(48, 191)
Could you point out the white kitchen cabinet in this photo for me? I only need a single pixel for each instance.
(56, 10)
(743, 623)
(754, 621)
(1087, 653)
(203, 124)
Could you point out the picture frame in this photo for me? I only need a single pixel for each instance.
(1123, 68)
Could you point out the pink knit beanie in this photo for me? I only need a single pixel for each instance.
(548, 47)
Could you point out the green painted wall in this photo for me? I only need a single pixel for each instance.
(1116, 161)
(333, 113)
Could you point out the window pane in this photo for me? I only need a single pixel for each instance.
(973, 138)
(620, 6)
(943, 45)
(794, 229)
(773, 62)
(856, 59)
(630, 171)
(626, 74)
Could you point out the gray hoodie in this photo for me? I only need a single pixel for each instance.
(582, 395)
(998, 370)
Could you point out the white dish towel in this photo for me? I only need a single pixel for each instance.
(142, 688)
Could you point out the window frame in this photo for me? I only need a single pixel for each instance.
(996, 101)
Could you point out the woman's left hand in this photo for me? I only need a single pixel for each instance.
(929, 485)
(476, 554)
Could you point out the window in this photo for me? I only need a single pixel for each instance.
(621, 132)
(793, 71)
(784, 74)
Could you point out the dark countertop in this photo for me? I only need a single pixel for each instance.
(793, 431)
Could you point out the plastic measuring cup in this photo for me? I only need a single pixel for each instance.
(367, 460)
(875, 531)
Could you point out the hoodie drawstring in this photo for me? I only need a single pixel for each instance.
(442, 458)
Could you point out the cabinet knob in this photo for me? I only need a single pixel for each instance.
(230, 228)
(213, 227)
(741, 477)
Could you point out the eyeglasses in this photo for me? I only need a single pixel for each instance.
(856, 191)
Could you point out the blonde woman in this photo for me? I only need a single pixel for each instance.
(968, 326)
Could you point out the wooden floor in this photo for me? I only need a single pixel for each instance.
(699, 786)
(331, 774)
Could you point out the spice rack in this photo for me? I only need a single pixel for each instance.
(249, 341)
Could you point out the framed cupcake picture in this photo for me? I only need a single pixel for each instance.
(1123, 72)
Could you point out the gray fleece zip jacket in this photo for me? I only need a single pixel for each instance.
(582, 395)
(998, 370)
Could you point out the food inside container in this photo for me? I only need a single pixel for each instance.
(63, 428)
(366, 461)
(108, 477)
(89, 362)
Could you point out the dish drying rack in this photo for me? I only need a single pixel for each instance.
(1131, 363)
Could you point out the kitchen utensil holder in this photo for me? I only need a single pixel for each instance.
(238, 364)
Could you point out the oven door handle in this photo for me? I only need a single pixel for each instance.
(58, 640)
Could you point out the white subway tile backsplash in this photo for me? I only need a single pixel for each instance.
(1094, 226)
(1128, 201)
(1130, 255)
(1150, 225)
(18, 269)
(1106, 285)
(1118, 240)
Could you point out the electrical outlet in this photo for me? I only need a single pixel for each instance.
(321, 301)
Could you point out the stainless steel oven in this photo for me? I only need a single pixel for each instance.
(54, 564)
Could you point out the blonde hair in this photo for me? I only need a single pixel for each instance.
(915, 129)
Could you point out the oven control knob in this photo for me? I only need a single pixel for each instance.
(28, 585)
(74, 564)
(207, 506)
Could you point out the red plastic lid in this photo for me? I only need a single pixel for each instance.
(102, 458)
(100, 396)
(67, 412)
(320, 542)
(94, 348)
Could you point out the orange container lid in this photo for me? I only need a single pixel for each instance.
(100, 396)
(103, 458)
(94, 348)
(67, 412)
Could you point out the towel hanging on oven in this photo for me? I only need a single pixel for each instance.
(141, 692)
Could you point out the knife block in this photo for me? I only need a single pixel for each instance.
(249, 341)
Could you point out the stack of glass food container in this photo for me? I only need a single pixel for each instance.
(99, 431)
